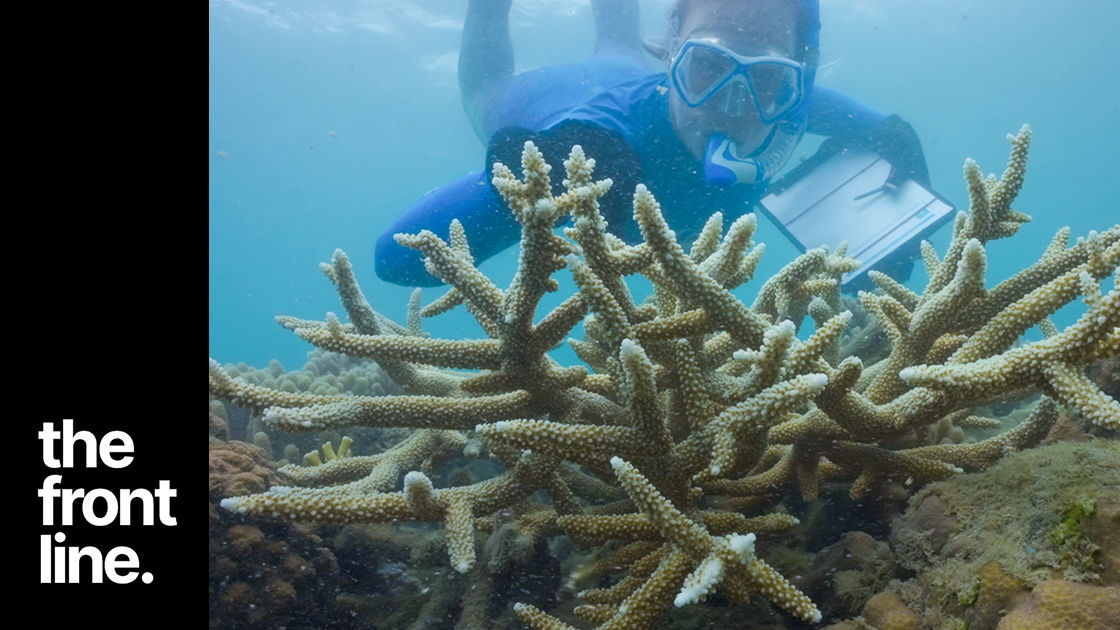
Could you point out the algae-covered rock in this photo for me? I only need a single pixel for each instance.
(979, 543)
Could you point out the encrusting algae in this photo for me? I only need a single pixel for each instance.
(691, 401)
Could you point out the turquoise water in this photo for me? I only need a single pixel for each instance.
(327, 119)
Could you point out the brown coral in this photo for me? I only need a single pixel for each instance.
(885, 611)
(237, 468)
(1068, 605)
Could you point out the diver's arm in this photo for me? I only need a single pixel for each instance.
(485, 59)
(851, 123)
(616, 26)
(471, 199)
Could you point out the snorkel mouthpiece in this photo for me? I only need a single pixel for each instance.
(724, 168)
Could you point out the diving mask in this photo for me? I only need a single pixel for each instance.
(704, 68)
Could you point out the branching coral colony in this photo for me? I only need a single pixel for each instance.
(696, 401)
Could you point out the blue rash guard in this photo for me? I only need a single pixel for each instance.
(619, 112)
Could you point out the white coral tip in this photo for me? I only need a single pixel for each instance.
(742, 544)
(234, 504)
(627, 347)
(415, 481)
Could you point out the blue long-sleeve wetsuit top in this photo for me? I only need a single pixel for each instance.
(625, 127)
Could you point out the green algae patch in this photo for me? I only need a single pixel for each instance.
(967, 595)
(1068, 532)
(1076, 549)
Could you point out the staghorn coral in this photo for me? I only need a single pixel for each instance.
(697, 402)
(324, 373)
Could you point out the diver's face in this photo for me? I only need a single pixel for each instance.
(756, 28)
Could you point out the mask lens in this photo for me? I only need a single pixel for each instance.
(700, 70)
(776, 87)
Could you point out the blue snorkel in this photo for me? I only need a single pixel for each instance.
(725, 167)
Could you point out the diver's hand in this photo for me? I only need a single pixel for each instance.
(895, 140)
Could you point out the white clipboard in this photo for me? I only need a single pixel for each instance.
(821, 208)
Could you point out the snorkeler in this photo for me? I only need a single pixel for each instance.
(707, 133)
